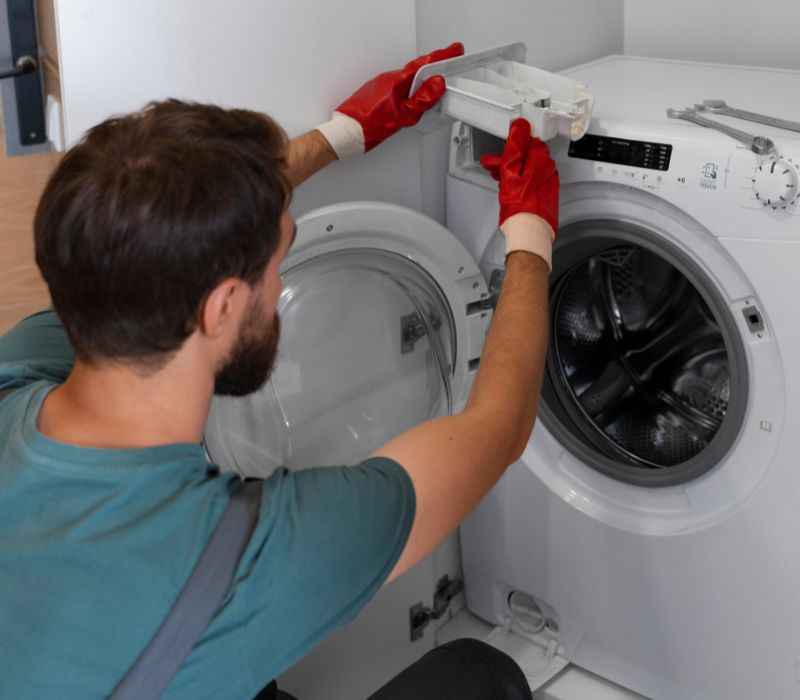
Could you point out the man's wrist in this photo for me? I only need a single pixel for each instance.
(531, 234)
(306, 155)
(344, 134)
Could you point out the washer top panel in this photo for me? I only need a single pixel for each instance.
(643, 89)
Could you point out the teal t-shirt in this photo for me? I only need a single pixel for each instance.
(96, 545)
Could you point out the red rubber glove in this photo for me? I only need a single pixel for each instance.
(527, 175)
(382, 106)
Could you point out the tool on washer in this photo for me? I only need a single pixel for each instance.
(758, 144)
(490, 89)
(721, 107)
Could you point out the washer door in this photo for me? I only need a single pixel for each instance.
(369, 345)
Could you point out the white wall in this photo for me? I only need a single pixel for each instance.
(558, 33)
(750, 32)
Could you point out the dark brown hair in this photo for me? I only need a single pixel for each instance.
(151, 211)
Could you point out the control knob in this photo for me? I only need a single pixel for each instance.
(775, 183)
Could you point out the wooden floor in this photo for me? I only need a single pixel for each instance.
(22, 179)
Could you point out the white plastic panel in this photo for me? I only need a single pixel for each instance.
(538, 663)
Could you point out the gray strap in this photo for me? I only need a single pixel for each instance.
(198, 602)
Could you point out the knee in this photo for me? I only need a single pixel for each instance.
(508, 676)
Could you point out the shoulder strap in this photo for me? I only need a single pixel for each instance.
(199, 600)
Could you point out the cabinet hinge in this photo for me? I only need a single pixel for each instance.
(421, 615)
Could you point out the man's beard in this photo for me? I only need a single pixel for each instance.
(250, 362)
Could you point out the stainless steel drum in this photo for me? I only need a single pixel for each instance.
(643, 363)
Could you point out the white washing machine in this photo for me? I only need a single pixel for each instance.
(646, 534)
(649, 533)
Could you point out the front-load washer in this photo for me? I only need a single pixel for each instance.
(649, 531)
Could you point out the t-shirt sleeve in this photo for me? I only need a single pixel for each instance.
(327, 540)
(36, 348)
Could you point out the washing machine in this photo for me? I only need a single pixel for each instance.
(649, 533)
(646, 534)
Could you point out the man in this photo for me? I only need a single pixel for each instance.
(160, 237)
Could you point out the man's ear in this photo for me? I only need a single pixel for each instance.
(219, 307)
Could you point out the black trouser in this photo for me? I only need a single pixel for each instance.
(464, 669)
(271, 692)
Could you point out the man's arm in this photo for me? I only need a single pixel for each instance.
(378, 109)
(453, 461)
(307, 155)
(36, 348)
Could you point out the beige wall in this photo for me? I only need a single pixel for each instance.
(22, 179)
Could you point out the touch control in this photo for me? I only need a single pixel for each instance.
(775, 183)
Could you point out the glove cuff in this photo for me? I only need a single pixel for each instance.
(344, 134)
(530, 233)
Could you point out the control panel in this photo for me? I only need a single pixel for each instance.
(717, 178)
(721, 184)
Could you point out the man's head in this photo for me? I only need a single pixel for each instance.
(150, 216)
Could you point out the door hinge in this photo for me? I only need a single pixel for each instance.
(420, 616)
(413, 327)
(489, 302)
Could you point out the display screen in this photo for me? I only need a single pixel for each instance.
(609, 149)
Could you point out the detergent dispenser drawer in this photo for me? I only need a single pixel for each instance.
(492, 88)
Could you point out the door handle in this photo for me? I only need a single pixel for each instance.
(25, 64)
(26, 91)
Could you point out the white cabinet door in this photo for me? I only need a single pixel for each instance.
(293, 59)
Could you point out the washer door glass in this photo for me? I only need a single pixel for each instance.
(646, 375)
(366, 352)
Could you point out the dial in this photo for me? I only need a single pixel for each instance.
(775, 183)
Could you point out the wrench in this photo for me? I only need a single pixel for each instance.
(720, 107)
(758, 144)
